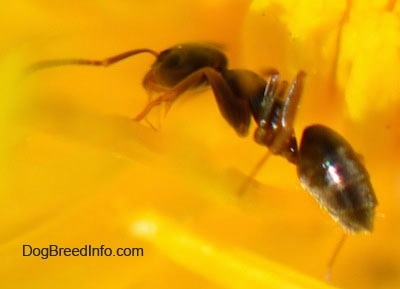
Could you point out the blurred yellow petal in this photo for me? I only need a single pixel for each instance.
(230, 268)
(369, 59)
(78, 171)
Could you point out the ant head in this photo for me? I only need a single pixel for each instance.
(178, 62)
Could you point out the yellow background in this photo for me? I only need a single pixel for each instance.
(75, 170)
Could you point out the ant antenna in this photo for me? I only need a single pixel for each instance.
(76, 61)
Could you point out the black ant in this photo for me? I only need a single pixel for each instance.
(327, 165)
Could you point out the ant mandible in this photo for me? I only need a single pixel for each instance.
(327, 165)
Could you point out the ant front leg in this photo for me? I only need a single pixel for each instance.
(233, 108)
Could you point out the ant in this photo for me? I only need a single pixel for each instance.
(327, 165)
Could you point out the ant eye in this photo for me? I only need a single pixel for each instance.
(172, 60)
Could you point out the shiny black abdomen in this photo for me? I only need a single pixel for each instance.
(332, 172)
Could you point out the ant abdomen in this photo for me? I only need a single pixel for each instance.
(332, 172)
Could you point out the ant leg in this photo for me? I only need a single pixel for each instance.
(284, 140)
(334, 256)
(253, 173)
(273, 77)
(270, 89)
(292, 101)
(273, 89)
(233, 109)
(76, 61)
